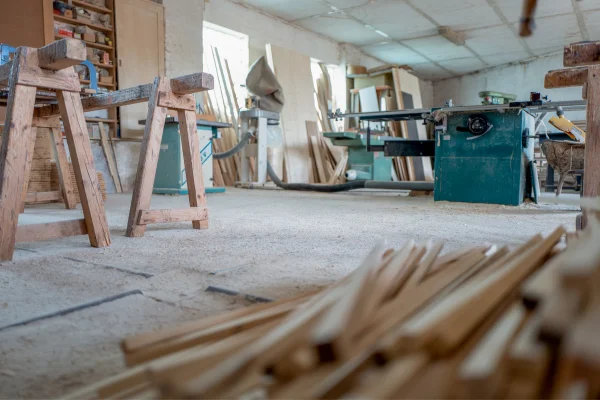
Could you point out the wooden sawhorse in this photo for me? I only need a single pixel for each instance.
(175, 94)
(164, 94)
(584, 57)
(50, 67)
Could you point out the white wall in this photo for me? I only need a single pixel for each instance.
(183, 36)
(519, 79)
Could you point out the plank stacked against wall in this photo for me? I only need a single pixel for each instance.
(294, 74)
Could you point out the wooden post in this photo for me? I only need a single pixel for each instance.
(62, 167)
(591, 177)
(193, 163)
(18, 134)
(144, 179)
(78, 139)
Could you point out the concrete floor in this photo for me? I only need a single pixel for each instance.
(266, 243)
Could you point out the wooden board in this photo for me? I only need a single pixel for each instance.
(141, 49)
(293, 72)
(409, 84)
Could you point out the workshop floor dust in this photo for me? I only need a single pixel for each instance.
(271, 244)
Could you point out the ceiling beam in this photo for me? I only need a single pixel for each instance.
(580, 20)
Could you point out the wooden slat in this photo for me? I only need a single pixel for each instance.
(31, 74)
(193, 83)
(193, 164)
(16, 139)
(146, 172)
(110, 158)
(62, 54)
(134, 95)
(566, 77)
(83, 166)
(51, 230)
(42, 197)
(172, 215)
(62, 166)
(577, 54)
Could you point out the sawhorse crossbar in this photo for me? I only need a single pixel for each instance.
(50, 67)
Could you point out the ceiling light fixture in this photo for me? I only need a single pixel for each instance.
(385, 35)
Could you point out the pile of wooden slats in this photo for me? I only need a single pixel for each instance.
(481, 322)
(55, 186)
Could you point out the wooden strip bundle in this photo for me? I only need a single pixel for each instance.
(393, 328)
(54, 184)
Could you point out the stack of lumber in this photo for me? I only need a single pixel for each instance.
(55, 186)
(39, 178)
(480, 322)
(222, 105)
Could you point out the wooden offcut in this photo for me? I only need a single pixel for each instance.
(584, 53)
(566, 77)
(62, 54)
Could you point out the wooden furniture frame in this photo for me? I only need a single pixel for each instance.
(50, 67)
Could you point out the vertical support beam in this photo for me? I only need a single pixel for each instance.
(110, 158)
(193, 165)
(71, 111)
(28, 162)
(261, 154)
(16, 140)
(591, 179)
(146, 172)
(62, 166)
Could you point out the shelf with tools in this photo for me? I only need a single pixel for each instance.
(93, 22)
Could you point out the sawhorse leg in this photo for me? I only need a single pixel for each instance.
(16, 142)
(62, 167)
(78, 140)
(193, 163)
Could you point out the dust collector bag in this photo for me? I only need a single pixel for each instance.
(261, 81)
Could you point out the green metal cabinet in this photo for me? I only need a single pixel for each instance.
(170, 172)
(368, 165)
(491, 168)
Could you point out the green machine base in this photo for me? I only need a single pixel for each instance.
(367, 165)
(493, 167)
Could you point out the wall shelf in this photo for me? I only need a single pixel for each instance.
(73, 21)
(89, 44)
(91, 7)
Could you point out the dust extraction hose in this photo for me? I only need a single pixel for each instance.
(360, 184)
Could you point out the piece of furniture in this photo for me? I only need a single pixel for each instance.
(50, 67)
(36, 23)
(170, 171)
(550, 185)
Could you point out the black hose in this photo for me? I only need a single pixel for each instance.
(314, 188)
(235, 149)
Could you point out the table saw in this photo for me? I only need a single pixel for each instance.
(483, 154)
